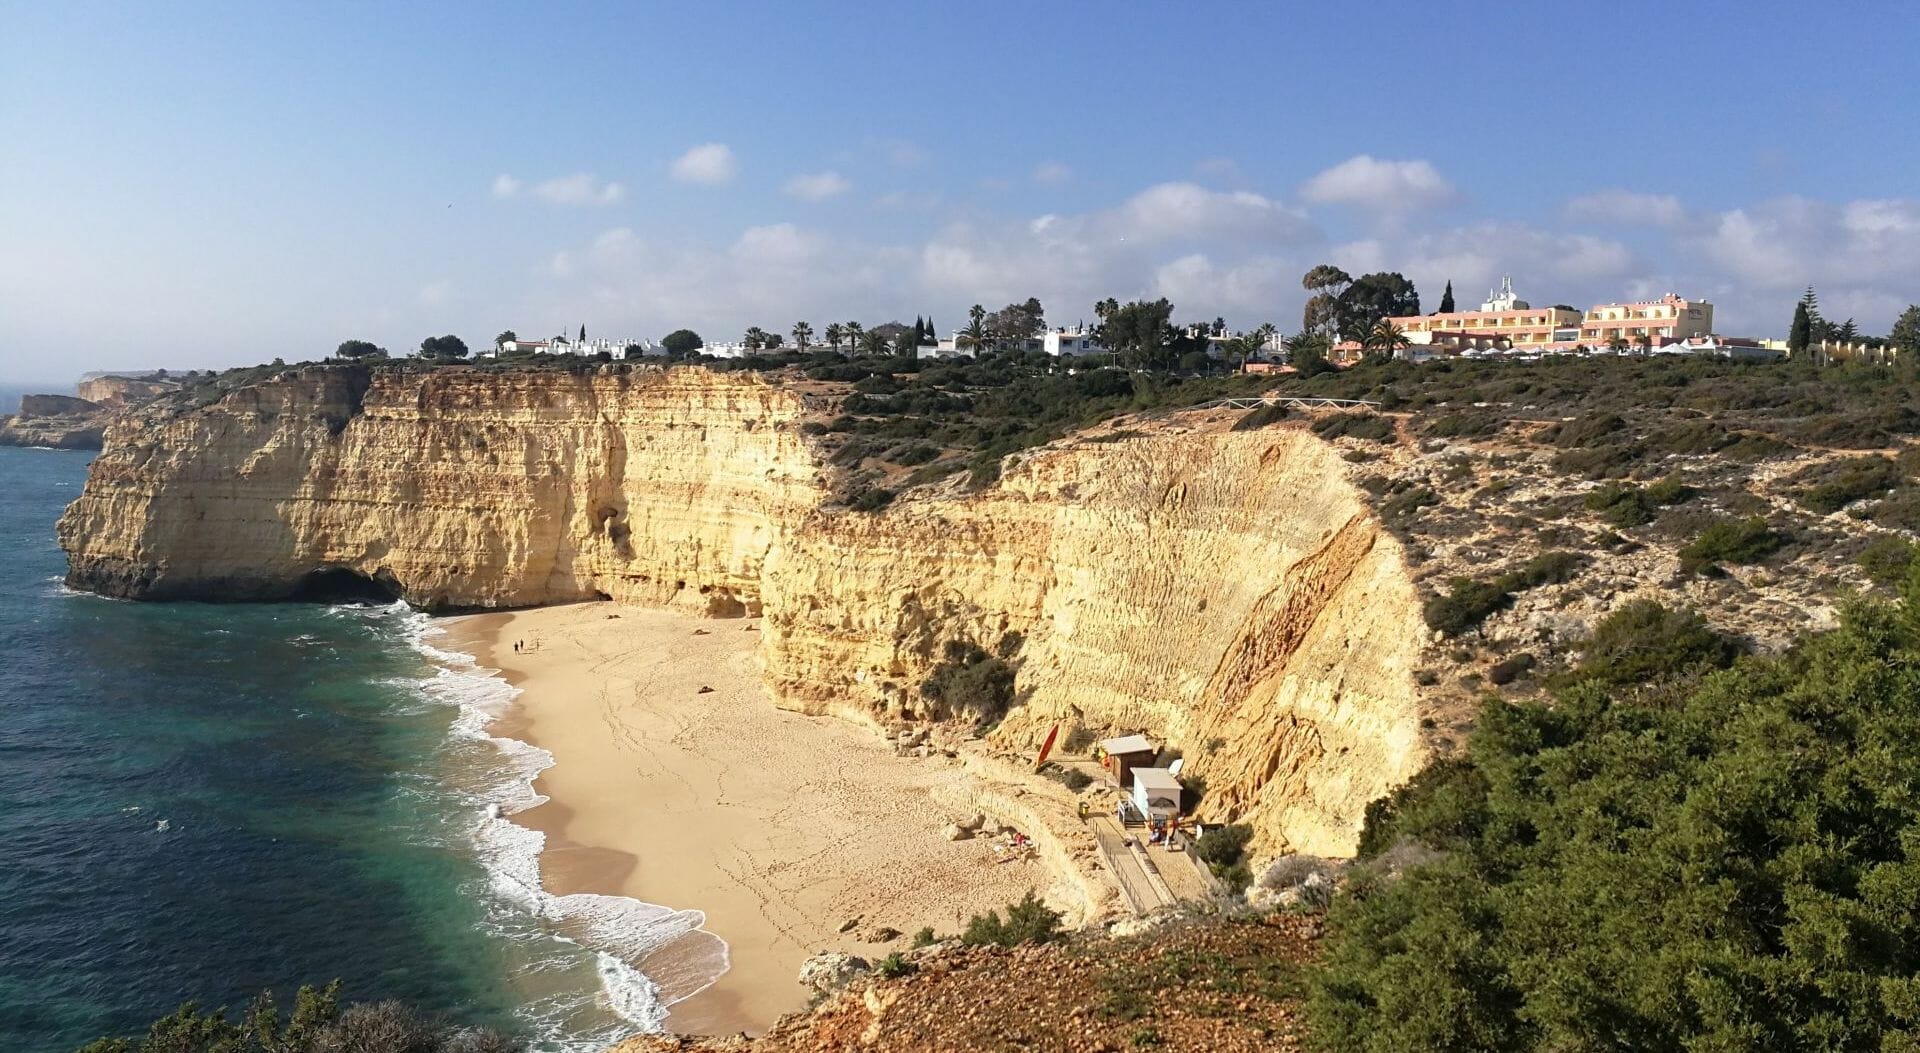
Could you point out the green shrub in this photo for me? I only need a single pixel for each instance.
(1593, 429)
(924, 938)
(1467, 425)
(1224, 849)
(318, 1024)
(1848, 481)
(1354, 426)
(1466, 604)
(1643, 641)
(1671, 491)
(1260, 417)
(1545, 568)
(969, 684)
(1736, 541)
(1887, 560)
(1403, 506)
(894, 966)
(1731, 868)
(912, 455)
(1028, 921)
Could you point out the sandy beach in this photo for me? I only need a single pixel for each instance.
(677, 782)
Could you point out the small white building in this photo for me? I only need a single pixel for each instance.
(1156, 794)
(1071, 342)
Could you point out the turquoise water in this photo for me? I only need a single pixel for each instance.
(203, 801)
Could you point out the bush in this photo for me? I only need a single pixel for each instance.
(1466, 604)
(1643, 642)
(1730, 868)
(1887, 560)
(969, 684)
(1028, 921)
(1354, 426)
(1842, 484)
(1224, 849)
(1254, 419)
(924, 938)
(894, 966)
(1737, 541)
(317, 1024)
(912, 455)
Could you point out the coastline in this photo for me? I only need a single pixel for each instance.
(757, 831)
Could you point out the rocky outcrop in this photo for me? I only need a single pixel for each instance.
(1229, 593)
(58, 421)
(114, 390)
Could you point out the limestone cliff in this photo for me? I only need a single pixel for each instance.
(1228, 592)
(58, 421)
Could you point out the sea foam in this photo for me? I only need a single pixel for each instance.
(624, 934)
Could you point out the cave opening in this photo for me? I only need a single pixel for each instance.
(344, 585)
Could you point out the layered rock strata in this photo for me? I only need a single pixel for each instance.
(1229, 593)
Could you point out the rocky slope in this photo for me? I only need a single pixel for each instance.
(1229, 593)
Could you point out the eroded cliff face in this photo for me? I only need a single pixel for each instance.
(1229, 593)
(451, 489)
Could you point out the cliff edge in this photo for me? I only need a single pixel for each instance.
(1230, 593)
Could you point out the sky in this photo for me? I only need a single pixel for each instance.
(199, 185)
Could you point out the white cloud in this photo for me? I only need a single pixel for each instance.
(1185, 211)
(902, 153)
(709, 163)
(505, 185)
(1628, 208)
(1861, 256)
(816, 186)
(1051, 173)
(1385, 186)
(580, 188)
(776, 243)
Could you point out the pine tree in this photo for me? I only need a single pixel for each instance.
(1800, 334)
(1446, 300)
(583, 332)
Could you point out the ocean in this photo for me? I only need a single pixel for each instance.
(202, 801)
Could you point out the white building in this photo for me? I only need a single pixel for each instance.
(560, 345)
(1071, 342)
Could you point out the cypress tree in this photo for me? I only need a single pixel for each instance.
(1446, 299)
(1800, 334)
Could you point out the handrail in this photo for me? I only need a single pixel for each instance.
(1290, 401)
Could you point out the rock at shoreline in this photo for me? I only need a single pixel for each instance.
(829, 972)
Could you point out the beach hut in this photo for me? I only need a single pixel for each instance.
(1122, 755)
(1156, 794)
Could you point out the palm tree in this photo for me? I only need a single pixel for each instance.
(974, 336)
(875, 345)
(755, 339)
(853, 332)
(1384, 337)
(836, 333)
(802, 333)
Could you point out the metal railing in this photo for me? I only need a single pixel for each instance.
(1291, 402)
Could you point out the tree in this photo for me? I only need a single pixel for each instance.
(1617, 343)
(974, 337)
(1307, 352)
(1141, 334)
(1252, 344)
(1846, 332)
(853, 332)
(1905, 336)
(1722, 865)
(1016, 323)
(875, 344)
(358, 349)
(1446, 300)
(836, 334)
(755, 339)
(583, 332)
(1372, 297)
(443, 347)
(802, 335)
(682, 342)
(505, 338)
(635, 351)
(1385, 338)
(977, 321)
(1322, 311)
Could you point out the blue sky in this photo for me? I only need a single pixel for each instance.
(204, 185)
